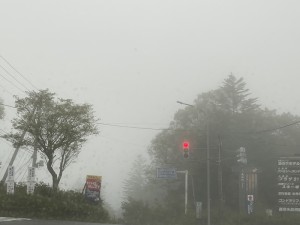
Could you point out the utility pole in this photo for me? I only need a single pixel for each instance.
(220, 180)
(208, 173)
(208, 158)
(13, 157)
(18, 146)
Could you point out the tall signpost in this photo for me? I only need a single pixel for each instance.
(242, 160)
(10, 180)
(31, 180)
(171, 173)
(288, 183)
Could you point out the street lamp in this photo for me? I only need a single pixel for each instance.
(208, 160)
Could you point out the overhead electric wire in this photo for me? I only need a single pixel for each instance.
(12, 83)
(18, 72)
(151, 128)
(14, 78)
(133, 127)
(278, 128)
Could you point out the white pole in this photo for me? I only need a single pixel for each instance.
(186, 190)
(186, 172)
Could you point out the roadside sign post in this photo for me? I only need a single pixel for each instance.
(198, 210)
(10, 180)
(31, 180)
(250, 199)
(171, 173)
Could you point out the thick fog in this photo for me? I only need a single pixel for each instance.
(132, 60)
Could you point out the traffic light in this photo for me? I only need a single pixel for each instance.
(186, 148)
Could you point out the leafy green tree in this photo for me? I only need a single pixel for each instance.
(56, 127)
(234, 96)
(135, 185)
(235, 120)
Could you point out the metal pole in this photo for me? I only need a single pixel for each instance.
(208, 174)
(186, 190)
(220, 181)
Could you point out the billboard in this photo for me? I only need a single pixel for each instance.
(93, 187)
(288, 183)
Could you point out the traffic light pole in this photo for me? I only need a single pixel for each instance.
(186, 172)
(208, 158)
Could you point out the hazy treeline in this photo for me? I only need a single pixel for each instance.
(234, 119)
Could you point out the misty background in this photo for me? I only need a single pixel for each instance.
(132, 60)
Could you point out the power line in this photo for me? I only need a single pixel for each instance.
(14, 78)
(151, 128)
(278, 128)
(18, 72)
(11, 83)
(134, 127)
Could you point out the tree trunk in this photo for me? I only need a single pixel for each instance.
(55, 183)
(55, 180)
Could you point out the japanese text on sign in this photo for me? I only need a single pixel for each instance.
(288, 183)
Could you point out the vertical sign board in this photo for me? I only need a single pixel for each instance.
(31, 180)
(288, 182)
(198, 210)
(93, 187)
(10, 173)
(10, 180)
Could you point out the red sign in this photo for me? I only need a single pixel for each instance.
(93, 187)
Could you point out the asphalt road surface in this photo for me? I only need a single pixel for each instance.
(23, 221)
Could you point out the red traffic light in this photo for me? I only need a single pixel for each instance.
(186, 144)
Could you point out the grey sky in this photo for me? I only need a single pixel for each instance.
(133, 59)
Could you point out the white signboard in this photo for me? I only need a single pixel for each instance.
(288, 183)
(10, 187)
(30, 187)
(31, 180)
(10, 173)
(250, 198)
(166, 173)
(31, 174)
(198, 209)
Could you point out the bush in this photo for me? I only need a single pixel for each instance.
(47, 204)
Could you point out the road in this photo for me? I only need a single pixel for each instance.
(23, 221)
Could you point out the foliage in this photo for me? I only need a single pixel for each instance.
(232, 119)
(56, 127)
(48, 204)
(135, 185)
